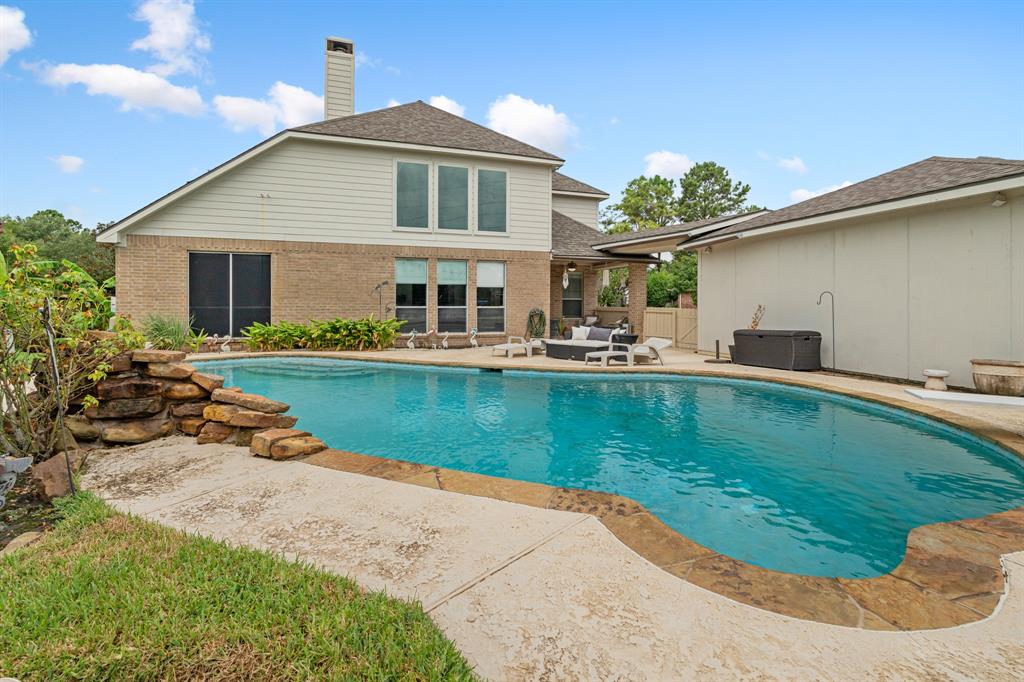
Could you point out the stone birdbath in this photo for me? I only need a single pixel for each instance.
(999, 377)
(10, 467)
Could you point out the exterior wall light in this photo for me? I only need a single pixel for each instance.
(999, 200)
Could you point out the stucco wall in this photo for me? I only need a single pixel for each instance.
(914, 290)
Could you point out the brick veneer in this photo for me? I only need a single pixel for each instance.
(312, 280)
(591, 275)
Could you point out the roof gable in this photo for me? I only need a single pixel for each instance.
(421, 124)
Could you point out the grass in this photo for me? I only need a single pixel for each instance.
(109, 596)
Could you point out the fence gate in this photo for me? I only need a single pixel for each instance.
(677, 324)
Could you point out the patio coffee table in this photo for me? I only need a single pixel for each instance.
(605, 355)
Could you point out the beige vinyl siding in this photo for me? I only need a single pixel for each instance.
(580, 209)
(314, 191)
(919, 289)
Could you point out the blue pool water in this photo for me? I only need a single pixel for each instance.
(789, 479)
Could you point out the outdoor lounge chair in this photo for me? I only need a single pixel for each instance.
(514, 344)
(648, 351)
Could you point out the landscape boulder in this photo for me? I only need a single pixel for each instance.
(81, 428)
(214, 432)
(191, 425)
(132, 387)
(295, 447)
(264, 440)
(217, 412)
(170, 370)
(248, 400)
(120, 363)
(135, 431)
(183, 390)
(154, 355)
(189, 409)
(50, 478)
(261, 420)
(209, 382)
(126, 408)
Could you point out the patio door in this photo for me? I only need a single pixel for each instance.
(227, 292)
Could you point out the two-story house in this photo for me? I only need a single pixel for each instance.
(407, 211)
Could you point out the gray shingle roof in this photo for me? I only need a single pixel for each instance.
(668, 230)
(930, 175)
(573, 239)
(563, 183)
(420, 123)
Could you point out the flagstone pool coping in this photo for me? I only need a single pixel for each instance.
(951, 574)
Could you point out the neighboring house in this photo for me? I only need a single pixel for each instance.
(407, 211)
(926, 264)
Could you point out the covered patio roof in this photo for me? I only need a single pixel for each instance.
(572, 240)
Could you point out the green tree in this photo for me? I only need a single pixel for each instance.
(660, 288)
(57, 237)
(646, 203)
(706, 191)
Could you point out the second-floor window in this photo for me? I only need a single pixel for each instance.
(452, 197)
(412, 195)
(492, 200)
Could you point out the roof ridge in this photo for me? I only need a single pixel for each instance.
(993, 160)
(359, 115)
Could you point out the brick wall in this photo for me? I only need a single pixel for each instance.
(321, 281)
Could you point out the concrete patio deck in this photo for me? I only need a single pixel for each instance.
(529, 593)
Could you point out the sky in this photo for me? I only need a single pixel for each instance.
(105, 106)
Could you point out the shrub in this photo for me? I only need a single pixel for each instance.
(168, 332)
(338, 334)
(80, 313)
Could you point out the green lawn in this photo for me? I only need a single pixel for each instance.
(107, 596)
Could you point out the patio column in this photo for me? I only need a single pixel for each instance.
(637, 297)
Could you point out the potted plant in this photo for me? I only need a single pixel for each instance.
(999, 377)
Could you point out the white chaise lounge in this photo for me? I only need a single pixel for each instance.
(516, 344)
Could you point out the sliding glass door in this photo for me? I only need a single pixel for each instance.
(227, 292)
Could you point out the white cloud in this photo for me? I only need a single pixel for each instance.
(805, 194)
(614, 120)
(447, 104)
(536, 124)
(136, 89)
(68, 164)
(286, 106)
(14, 34)
(667, 164)
(363, 59)
(795, 164)
(393, 103)
(174, 36)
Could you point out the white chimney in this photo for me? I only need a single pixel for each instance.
(339, 78)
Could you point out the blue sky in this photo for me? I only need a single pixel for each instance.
(792, 98)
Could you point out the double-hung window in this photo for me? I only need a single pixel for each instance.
(491, 200)
(451, 296)
(572, 296)
(490, 296)
(412, 195)
(411, 294)
(452, 197)
(227, 292)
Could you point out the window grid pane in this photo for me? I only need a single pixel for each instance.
(490, 296)
(452, 198)
(491, 200)
(412, 195)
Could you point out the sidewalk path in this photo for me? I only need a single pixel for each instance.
(529, 593)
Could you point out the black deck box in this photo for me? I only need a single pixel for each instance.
(778, 348)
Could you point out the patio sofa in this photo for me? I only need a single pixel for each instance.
(585, 340)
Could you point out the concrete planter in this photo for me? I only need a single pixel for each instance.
(999, 377)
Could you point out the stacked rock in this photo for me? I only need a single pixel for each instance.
(151, 393)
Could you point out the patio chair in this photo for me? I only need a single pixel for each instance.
(648, 351)
(515, 343)
(589, 321)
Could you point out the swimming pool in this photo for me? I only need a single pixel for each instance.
(786, 478)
